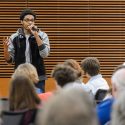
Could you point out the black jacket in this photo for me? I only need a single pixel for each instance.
(19, 44)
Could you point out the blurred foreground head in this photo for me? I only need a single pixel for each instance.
(118, 113)
(68, 107)
(118, 81)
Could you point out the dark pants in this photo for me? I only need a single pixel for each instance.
(41, 85)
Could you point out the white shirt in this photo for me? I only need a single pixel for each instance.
(77, 84)
(97, 82)
(27, 51)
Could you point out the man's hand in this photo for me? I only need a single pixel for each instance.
(5, 45)
(35, 33)
(33, 29)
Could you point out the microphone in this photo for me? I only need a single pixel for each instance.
(35, 28)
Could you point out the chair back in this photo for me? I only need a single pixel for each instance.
(100, 95)
(4, 104)
(26, 117)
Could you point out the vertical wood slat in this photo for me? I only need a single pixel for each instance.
(76, 28)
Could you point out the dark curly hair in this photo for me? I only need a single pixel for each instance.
(27, 12)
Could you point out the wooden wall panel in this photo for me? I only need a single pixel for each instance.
(76, 28)
(82, 28)
(50, 85)
(9, 22)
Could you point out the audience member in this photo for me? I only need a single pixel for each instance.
(79, 81)
(68, 107)
(91, 68)
(45, 96)
(75, 65)
(64, 75)
(118, 81)
(23, 97)
(104, 109)
(22, 94)
(30, 71)
(118, 113)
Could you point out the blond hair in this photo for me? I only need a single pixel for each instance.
(28, 70)
(75, 65)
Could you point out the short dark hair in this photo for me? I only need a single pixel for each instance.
(64, 74)
(91, 66)
(25, 12)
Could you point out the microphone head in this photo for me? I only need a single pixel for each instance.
(35, 29)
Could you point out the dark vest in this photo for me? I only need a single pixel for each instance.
(19, 43)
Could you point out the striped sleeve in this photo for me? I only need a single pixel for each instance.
(44, 49)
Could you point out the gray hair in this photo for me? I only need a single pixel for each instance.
(118, 78)
(68, 107)
(118, 114)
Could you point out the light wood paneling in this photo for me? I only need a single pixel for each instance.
(50, 85)
(76, 28)
(5, 84)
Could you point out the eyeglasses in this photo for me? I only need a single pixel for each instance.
(29, 20)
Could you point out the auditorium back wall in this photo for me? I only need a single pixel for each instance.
(76, 29)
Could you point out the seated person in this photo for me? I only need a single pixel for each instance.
(30, 71)
(75, 65)
(104, 109)
(68, 107)
(65, 76)
(45, 96)
(91, 68)
(22, 96)
(118, 112)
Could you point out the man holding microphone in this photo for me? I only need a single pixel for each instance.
(28, 44)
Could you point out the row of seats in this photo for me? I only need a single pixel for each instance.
(16, 118)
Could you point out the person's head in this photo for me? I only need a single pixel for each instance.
(118, 81)
(90, 66)
(64, 74)
(27, 18)
(118, 111)
(22, 94)
(68, 107)
(27, 69)
(75, 65)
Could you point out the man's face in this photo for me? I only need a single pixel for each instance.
(27, 21)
